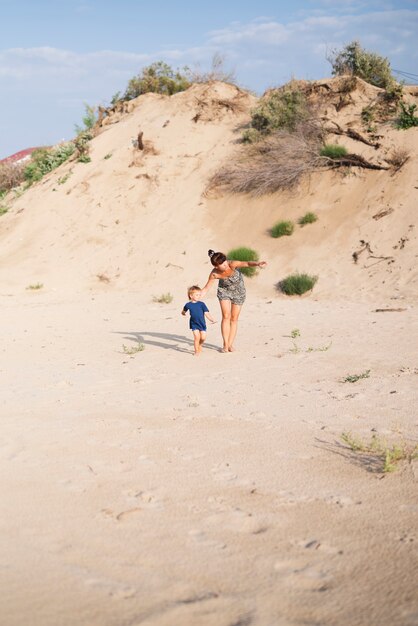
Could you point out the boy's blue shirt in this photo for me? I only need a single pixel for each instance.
(197, 314)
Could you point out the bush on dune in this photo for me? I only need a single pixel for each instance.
(355, 60)
(157, 78)
(244, 254)
(279, 109)
(297, 284)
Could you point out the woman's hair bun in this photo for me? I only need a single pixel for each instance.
(211, 253)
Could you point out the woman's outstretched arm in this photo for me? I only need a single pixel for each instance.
(208, 285)
(239, 264)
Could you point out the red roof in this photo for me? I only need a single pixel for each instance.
(14, 158)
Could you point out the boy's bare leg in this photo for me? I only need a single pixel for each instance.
(196, 341)
(235, 311)
(202, 339)
(226, 323)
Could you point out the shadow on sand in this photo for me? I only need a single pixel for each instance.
(166, 341)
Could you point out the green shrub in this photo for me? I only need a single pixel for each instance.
(45, 160)
(89, 119)
(407, 118)
(165, 298)
(281, 229)
(308, 218)
(3, 209)
(297, 284)
(157, 78)
(244, 254)
(369, 66)
(282, 108)
(332, 151)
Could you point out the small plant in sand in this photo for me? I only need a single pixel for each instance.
(398, 158)
(244, 254)
(295, 334)
(108, 156)
(297, 284)
(84, 158)
(165, 298)
(353, 378)
(63, 179)
(308, 218)
(387, 455)
(133, 349)
(3, 209)
(35, 286)
(282, 229)
(332, 151)
(89, 119)
(407, 118)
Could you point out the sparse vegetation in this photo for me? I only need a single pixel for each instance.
(216, 72)
(387, 455)
(353, 378)
(276, 163)
(281, 229)
(89, 119)
(3, 209)
(45, 160)
(84, 158)
(35, 286)
(308, 218)
(82, 145)
(407, 118)
(63, 179)
(108, 156)
(297, 284)
(157, 78)
(11, 175)
(279, 109)
(244, 254)
(133, 349)
(333, 151)
(165, 298)
(398, 158)
(295, 334)
(355, 60)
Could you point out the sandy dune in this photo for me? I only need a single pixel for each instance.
(161, 489)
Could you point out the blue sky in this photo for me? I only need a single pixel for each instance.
(56, 55)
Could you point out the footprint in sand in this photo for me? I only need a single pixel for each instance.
(239, 521)
(199, 537)
(223, 473)
(112, 588)
(303, 575)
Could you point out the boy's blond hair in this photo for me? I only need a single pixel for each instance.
(192, 289)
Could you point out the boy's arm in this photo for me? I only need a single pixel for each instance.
(184, 311)
(210, 318)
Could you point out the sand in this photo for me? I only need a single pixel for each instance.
(157, 488)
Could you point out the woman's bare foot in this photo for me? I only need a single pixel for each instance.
(231, 349)
(224, 349)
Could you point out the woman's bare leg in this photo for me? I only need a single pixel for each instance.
(226, 323)
(235, 311)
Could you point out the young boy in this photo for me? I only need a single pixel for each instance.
(198, 312)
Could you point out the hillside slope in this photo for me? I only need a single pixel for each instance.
(131, 219)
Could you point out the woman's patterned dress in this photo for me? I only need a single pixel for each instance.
(232, 288)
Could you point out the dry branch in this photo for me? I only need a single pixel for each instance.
(353, 134)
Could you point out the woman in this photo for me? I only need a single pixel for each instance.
(231, 292)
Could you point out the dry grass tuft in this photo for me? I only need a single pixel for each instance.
(398, 158)
(11, 175)
(277, 163)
